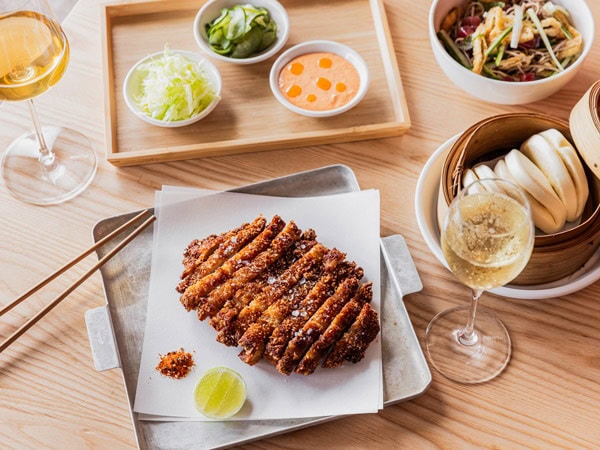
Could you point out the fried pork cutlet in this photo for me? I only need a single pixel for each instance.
(230, 256)
(278, 293)
(292, 324)
(217, 297)
(334, 331)
(316, 325)
(224, 320)
(274, 291)
(254, 338)
(351, 347)
(195, 254)
(231, 243)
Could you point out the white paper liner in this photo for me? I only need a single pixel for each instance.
(349, 222)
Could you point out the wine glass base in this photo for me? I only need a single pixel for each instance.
(31, 181)
(476, 363)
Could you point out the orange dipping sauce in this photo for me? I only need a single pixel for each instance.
(319, 81)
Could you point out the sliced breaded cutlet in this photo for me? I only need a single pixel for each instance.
(280, 295)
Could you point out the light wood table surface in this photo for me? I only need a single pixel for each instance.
(51, 396)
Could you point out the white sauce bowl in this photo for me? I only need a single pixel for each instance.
(342, 50)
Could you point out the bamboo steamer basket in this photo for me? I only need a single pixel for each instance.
(585, 127)
(557, 255)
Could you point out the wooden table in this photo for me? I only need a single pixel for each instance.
(51, 396)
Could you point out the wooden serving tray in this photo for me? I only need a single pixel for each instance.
(248, 118)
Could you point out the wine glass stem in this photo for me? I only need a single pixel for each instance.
(46, 156)
(468, 336)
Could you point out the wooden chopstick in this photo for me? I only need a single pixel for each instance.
(79, 281)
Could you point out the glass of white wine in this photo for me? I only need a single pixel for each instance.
(487, 239)
(50, 164)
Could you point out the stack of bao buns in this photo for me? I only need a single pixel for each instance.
(548, 169)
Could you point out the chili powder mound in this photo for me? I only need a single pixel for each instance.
(175, 364)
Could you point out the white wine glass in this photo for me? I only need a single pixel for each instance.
(50, 164)
(487, 238)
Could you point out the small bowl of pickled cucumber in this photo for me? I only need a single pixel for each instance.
(241, 32)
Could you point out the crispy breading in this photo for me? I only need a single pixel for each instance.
(217, 297)
(324, 289)
(254, 340)
(223, 321)
(231, 244)
(274, 291)
(316, 325)
(352, 345)
(334, 331)
(196, 252)
(229, 257)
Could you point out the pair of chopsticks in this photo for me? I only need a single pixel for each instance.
(80, 280)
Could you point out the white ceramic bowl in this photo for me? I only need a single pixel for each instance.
(134, 78)
(505, 92)
(212, 9)
(320, 46)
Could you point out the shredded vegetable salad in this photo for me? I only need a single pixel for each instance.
(512, 40)
(173, 88)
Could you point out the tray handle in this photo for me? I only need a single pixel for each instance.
(102, 338)
(400, 264)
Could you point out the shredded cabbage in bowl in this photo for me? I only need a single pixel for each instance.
(173, 88)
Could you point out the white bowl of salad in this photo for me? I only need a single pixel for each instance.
(512, 51)
(172, 88)
(241, 32)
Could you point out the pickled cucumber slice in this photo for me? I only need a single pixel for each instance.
(241, 31)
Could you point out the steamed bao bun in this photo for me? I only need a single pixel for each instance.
(558, 160)
(550, 173)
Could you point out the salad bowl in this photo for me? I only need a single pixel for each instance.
(170, 96)
(509, 92)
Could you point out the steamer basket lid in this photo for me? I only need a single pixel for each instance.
(584, 123)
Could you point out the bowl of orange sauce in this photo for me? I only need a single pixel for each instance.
(319, 78)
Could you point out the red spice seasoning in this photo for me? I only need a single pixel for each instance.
(175, 364)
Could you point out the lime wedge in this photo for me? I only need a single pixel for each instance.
(220, 393)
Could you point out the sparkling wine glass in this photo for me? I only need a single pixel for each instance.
(487, 239)
(50, 164)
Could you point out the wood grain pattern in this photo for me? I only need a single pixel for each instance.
(248, 117)
(50, 394)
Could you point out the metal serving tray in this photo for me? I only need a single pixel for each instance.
(116, 330)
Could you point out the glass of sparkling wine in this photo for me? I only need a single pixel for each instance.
(487, 239)
(50, 164)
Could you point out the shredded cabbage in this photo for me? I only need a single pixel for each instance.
(173, 88)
